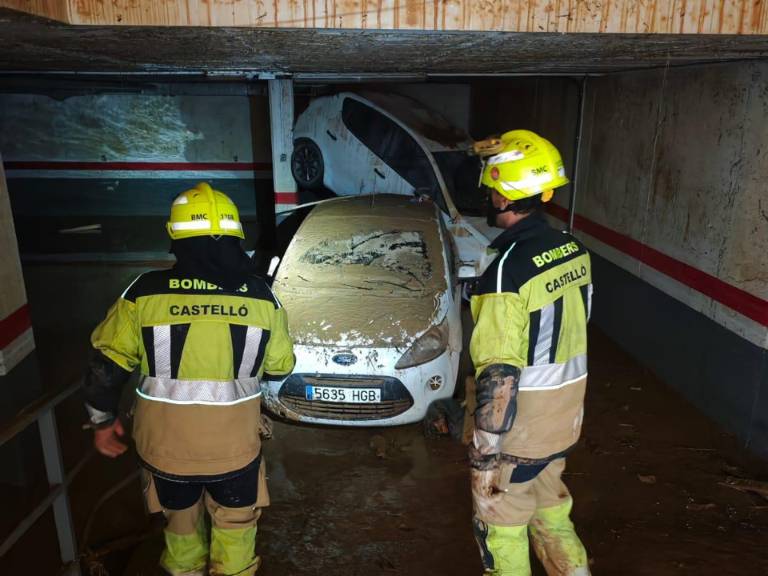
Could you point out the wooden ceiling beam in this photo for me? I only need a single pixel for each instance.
(578, 16)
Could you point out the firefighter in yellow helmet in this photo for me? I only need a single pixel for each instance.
(202, 335)
(529, 348)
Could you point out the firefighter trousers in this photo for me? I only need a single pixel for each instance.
(539, 505)
(221, 542)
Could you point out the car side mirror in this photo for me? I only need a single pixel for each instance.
(469, 286)
(466, 272)
(423, 193)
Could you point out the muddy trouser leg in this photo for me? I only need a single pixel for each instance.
(501, 525)
(554, 538)
(235, 506)
(186, 534)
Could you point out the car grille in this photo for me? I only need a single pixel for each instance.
(343, 381)
(395, 398)
(344, 411)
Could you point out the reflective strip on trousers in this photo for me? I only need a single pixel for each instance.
(208, 392)
(550, 376)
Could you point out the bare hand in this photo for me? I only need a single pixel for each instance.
(107, 440)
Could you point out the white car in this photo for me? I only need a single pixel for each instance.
(373, 300)
(375, 142)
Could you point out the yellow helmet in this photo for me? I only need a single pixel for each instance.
(203, 211)
(522, 164)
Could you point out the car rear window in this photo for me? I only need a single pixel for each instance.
(394, 146)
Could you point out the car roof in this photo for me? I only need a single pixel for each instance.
(435, 130)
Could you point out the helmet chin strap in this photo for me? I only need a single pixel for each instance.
(491, 212)
(480, 174)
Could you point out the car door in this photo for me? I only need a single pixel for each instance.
(344, 158)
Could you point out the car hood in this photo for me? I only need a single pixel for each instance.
(351, 318)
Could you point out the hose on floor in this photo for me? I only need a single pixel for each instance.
(90, 559)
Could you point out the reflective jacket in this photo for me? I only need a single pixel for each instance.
(201, 352)
(530, 309)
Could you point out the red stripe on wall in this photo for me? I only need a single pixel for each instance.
(163, 166)
(735, 298)
(14, 325)
(286, 197)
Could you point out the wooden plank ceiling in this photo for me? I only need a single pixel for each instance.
(32, 45)
(586, 16)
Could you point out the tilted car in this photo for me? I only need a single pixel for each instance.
(373, 301)
(374, 142)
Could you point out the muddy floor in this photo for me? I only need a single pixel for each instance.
(652, 481)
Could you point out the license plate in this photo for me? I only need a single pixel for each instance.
(348, 395)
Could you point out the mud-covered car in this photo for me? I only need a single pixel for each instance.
(373, 302)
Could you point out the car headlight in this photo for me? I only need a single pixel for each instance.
(427, 347)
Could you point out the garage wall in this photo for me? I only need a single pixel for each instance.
(674, 195)
(112, 160)
(108, 159)
(672, 201)
(546, 105)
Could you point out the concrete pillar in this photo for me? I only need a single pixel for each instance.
(281, 123)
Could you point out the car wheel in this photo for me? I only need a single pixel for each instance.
(307, 164)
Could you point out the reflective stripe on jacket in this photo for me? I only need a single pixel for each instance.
(201, 351)
(530, 310)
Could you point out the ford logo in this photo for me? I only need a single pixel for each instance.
(345, 359)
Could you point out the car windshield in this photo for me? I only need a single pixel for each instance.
(385, 244)
(461, 174)
(378, 260)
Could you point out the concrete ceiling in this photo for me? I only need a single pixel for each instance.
(32, 44)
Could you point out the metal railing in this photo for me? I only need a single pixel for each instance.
(42, 412)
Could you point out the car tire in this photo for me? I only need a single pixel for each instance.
(307, 164)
